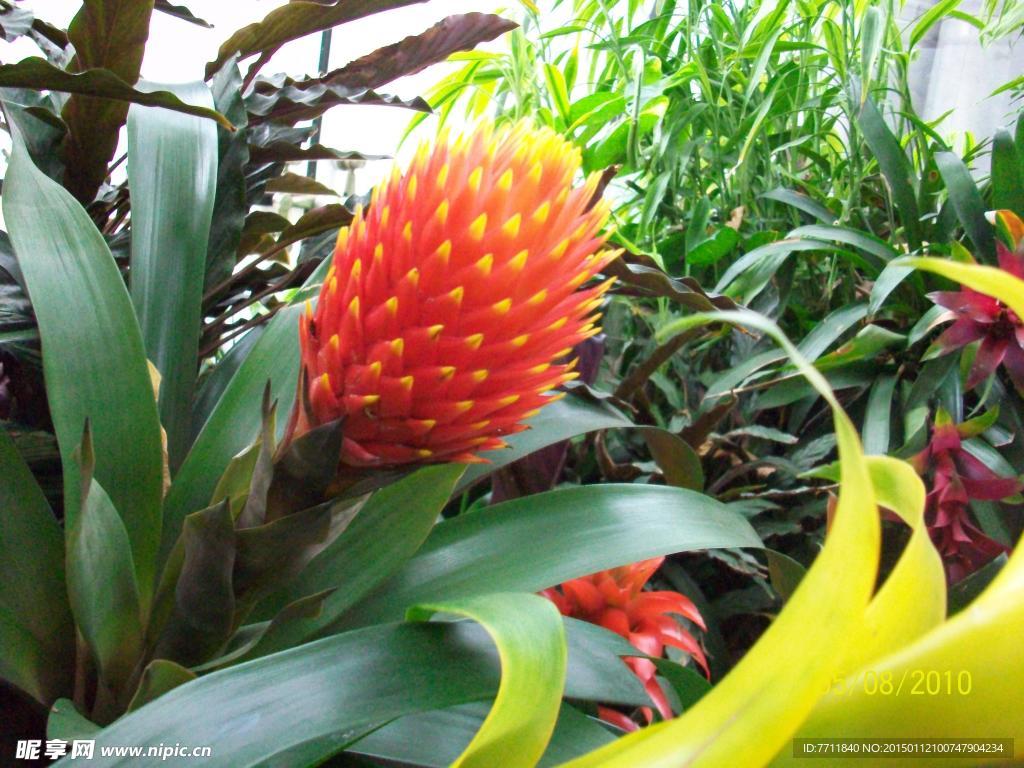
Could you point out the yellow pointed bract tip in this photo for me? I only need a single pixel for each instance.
(511, 227)
(475, 179)
(478, 227)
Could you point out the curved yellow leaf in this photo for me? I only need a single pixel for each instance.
(752, 713)
(991, 281)
(913, 598)
(530, 637)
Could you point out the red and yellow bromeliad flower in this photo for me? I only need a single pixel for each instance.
(615, 599)
(452, 304)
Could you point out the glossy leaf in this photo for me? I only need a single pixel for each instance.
(172, 173)
(967, 202)
(527, 631)
(33, 596)
(69, 271)
(388, 530)
(556, 536)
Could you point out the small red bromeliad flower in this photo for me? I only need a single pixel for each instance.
(616, 600)
(957, 478)
(978, 317)
(452, 303)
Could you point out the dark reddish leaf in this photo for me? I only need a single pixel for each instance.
(295, 20)
(107, 34)
(283, 99)
(180, 12)
(286, 152)
(650, 281)
(451, 35)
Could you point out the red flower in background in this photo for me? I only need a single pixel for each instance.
(980, 317)
(957, 478)
(451, 305)
(616, 600)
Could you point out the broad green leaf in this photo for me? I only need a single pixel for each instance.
(878, 415)
(387, 531)
(532, 543)
(750, 714)
(1007, 173)
(929, 18)
(159, 677)
(894, 166)
(527, 631)
(336, 689)
(802, 202)
(102, 588)
(67, 723)
(33, 595)
(866, 242)
(95, 366)
(436, 739)
(172, 174)
(967, 202)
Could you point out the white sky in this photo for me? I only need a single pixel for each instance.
(178, 51)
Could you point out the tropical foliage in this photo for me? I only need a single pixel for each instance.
(511, 461)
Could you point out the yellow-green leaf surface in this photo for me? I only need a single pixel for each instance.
(991, 281)
(93, 359)
(752, 713)
(913, 598)
(530, 637)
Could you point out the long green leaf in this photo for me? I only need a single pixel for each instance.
(527, 631)
(334, 689)
(172, 174)
(1007, 173)
(967, 202)
(33, 596)
(93, 357)
(388, 530)
(532, 543)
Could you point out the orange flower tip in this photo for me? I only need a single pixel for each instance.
(558, 323)
(397, 346)
(511, 227)
(385, 216)
(580, 232)
(391, 305)
(480, 376)
(434, 332)
(505, 180)
(342, 240)
(541, 214)
(562, 196)
(475, 179)
(508, 400)
(335, 342)
(444, 251)
(555, 397)
(457, 293)
(407, 382)
(356, 271)
(441, 214)
(442, 176)
(517, 262)
(325, 382)
(536, 171)
(530, 414)
(519, 341)
(485, 263)
(572, 363)
(478, 227)
(407, 232)
(538, 368)
(464, 405)
(578, 280)
(559, 250)
(309, 311)
(474, 341)
(413, 276)
(447, 371)
(370, 400)
(375, 368)
(502, 307)
(538, 297)
(478, 425)
(427, 424)
(562, 353)
(424, 453)
(378, 253)
(410, 187)
(353, 306)
(332, 286)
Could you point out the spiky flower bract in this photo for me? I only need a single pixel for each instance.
(453, 301)
(615, 599)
